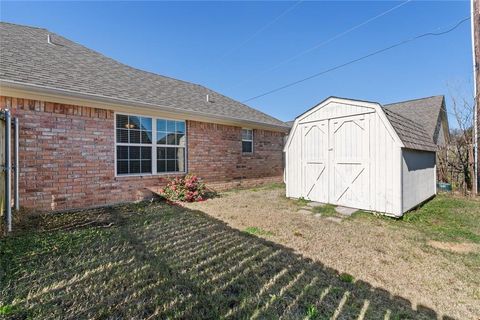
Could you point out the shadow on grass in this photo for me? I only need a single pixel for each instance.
(160, 261)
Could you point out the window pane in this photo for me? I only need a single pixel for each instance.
(122, 121)
(133, 122)
(180, 127)
(146, 124)
(181, 160)
(134, 166)
(247, 146)
(246, 134)
(161, 165)
(122, 136)
(146, 153)
(180, 139)
(171, 165)
(170, 126)
(122, 152)
(161, 153)
(161, 138)
(134, 153)
(122, 167)
(134, 136)
(147, 137)
(146, 166)
(170, 138)
(171, 153)
(161, 125)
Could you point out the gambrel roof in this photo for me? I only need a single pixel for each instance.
(425, 111)
(41, 59)
(412, 134)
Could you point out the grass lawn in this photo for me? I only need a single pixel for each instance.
(430, 258)
(455, 221)
(263, 261)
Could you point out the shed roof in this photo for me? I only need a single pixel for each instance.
(412, 134)
(26, 57)
(425, 111)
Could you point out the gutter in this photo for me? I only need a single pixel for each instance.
(38, 89)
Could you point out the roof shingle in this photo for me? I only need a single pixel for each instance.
(412, 134)
(26, 57)
(425, 111)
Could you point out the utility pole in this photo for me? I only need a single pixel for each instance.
(475, 20)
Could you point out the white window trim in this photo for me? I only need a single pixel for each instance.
(251, 152)
(153, 145)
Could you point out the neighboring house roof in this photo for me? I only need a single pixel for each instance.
(290, 123)
(426, 111)
(412, 134)
(41, 59)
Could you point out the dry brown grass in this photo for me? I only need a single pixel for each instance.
(155, 261)
(383, 252)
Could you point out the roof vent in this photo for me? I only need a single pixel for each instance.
(49, 41)
(209, 99)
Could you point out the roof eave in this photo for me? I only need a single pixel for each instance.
(38, 89)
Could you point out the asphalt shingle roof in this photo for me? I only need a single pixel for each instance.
(425, 111)
(412, 134)
(26, 57)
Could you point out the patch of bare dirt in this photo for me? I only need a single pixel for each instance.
(369, 249)
(464, 247)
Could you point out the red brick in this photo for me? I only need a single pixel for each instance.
(67, 157)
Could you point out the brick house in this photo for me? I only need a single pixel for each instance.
(94, 131)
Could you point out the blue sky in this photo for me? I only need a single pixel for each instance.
(231, 46)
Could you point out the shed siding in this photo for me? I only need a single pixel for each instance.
(419, 176)
(384, 167)
(293, 173)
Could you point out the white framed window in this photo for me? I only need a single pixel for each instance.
(247, 140)
(147, 145)
(171, 143)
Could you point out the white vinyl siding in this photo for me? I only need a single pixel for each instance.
(418, 181)
(147, 145)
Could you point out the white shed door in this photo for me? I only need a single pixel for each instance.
(335, 161)
(349, 148)
(315, 159)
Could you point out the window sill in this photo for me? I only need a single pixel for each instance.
(149, 175)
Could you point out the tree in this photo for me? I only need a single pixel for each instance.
(456, 160)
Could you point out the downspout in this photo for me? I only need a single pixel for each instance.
(475, 93)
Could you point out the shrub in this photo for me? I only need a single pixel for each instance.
(189, 188)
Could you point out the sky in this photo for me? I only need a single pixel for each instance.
(244, 49)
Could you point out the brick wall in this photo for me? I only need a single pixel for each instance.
(67, 156)
(215, 153)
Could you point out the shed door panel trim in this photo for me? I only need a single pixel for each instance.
(335, 161)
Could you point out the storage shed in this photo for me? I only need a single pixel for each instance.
(358, 154)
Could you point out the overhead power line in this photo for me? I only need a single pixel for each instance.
(429, 34)
(323, 43)
(266, 26)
